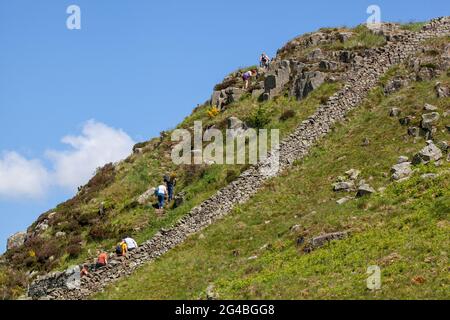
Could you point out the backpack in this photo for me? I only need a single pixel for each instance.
(119, 249)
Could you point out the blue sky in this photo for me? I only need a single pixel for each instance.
(71, 100)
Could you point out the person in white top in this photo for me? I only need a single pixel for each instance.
(131, 243)
(161, 192)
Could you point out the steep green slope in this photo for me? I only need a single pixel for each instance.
(253, 252)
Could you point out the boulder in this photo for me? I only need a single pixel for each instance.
(145, 197)
(353, 174)
(394, 112)
(60, 234)
(429, 153)
(429, 119)
(16, 240)
(401, 170)
(429, 107)
(277, 78)
(179, 199)
(320, 241)
(364, 189)
(344, 186)
(442, 91)
(306, 83)
(402, 159)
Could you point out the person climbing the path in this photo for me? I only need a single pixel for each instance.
(131, 243)
(264, 61)
(247, 76)
(102, 260)
(84, 271)
(170, 181)
(161, 193)
(121, 249)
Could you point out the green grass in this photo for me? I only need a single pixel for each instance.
(408, 222)
(412, 26)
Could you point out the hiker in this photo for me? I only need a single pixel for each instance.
(84, 271)
(102, 260)
(131, 243)
(247, 76)
(161, 193)
(264, 61)
(170, 183)
(121, 249)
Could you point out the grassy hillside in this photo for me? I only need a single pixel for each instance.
(253, 253)
(105, 209)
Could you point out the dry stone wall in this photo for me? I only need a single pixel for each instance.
(363, 76)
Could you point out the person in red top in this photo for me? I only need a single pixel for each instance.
(102, 260)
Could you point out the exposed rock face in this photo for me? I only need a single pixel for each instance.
(306, 83)
(224, 97)
(16, 240)
(277, 78)
(316, 54)
(430, 153)
(328, 65)
(297, 145)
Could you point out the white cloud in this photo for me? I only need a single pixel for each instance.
(20, 177)
(97, 145)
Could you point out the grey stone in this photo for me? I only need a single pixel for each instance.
(343, 200)
(394, 112)
(429, 107)
(441, 91)
(401, 170)
(316, 54)
(364, 189)
(344, 186)
(428, 176)
(402, 159)
(308, 82)
(353, 174)
(429, 119)
(429, 153)
(320, 241)
(16, 240)
(414, 131)
(328, 65)
(145, 197)
(60, 234)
